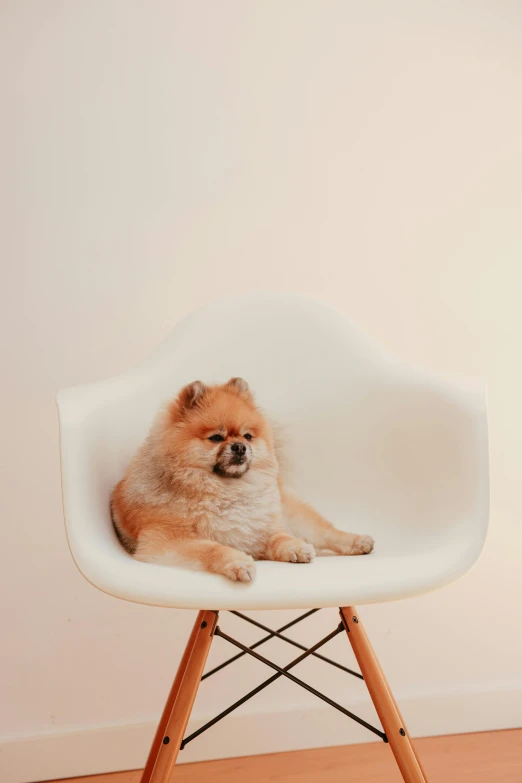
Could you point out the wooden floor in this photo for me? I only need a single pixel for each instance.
(493, 757)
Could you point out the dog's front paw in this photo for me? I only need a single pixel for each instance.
(295, 551)
(362, 545)
(240, 570)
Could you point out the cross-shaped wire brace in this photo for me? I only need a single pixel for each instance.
(280, 672)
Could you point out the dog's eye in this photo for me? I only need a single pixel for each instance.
(216, 438)
(248, 436)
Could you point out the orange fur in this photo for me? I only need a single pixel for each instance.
(204, 491)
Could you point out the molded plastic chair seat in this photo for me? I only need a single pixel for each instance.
(377, 445)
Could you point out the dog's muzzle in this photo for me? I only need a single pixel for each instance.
(234, 460)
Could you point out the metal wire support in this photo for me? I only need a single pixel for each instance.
(280, 672)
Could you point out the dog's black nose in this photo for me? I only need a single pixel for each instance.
(238, 448)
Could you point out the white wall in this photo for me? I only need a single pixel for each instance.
(158, 155)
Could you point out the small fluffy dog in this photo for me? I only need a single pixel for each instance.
(204, 491)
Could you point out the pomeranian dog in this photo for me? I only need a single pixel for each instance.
(204, 491)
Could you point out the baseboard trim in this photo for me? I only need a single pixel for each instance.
(110, 748)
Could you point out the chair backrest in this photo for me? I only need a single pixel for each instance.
(377, 445)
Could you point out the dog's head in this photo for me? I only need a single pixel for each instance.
(219, 429)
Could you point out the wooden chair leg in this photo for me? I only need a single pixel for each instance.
(171, 728)
(390, 717)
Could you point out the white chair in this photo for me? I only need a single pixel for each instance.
(377, 445)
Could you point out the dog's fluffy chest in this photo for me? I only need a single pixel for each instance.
(239, 512)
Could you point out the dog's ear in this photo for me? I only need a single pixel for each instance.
(241, 388)
(190, 396)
